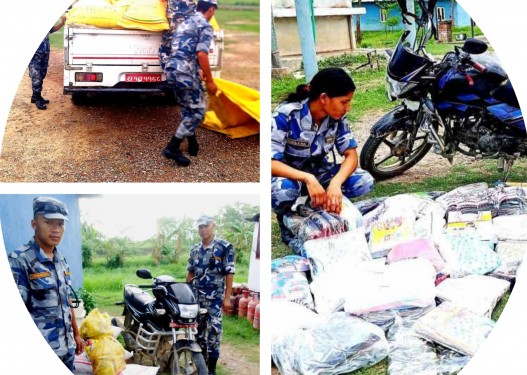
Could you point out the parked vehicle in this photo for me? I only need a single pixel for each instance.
(108, 60)
(464, 103)
(164, 327)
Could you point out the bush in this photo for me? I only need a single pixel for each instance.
(87, 298)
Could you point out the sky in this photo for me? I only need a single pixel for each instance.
(135, 216)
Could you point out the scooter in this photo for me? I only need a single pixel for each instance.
(164, 327)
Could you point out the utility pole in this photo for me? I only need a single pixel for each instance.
(411, 25)
(307, 40)
(275, 54)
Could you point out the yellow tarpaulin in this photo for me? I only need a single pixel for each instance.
(234, 110)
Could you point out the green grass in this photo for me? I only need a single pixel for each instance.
(254, 3)
(239, 20)
(240, 334)
(56, 40)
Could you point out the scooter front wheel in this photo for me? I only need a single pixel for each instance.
(186, 362)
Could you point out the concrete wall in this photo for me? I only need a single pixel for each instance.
(326, 29)
(16, 212)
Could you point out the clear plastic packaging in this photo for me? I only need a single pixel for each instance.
(454, 327)
(401, 285)
(511, 228)
(477, 293)
(290, 263)
(292, 286)
(337, 253)
(465, 254)
(511, 254)
(289, 316)
(338, 345)
(417, 248)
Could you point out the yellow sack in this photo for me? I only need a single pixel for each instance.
(96, 325)
(100, 13)
(234, 110)
(146, 15)
(214, 23)
(106, 355)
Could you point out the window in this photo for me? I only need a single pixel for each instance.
(382, 15)
(440, 14)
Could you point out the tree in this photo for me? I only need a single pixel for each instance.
(92, 242)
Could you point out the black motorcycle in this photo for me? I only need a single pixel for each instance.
(164, 327)
(464, 103)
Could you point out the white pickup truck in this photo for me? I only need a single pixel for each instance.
(108, 60)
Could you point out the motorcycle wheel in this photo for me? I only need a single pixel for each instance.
(390, 155)
(186, 362)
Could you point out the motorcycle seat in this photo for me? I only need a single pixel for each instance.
(137, 298)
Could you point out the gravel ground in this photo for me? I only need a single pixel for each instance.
(120, 138)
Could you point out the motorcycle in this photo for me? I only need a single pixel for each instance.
(464, 103)
(164, 327)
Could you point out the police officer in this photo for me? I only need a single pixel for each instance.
(177, 12)
(38, 67)
(211, 269)
(308, 126)
(189, 53)
(43, 279)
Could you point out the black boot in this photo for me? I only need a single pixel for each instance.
(287, 235)
(193, 146)
(212, 366)
(173, 152)
(36, 96)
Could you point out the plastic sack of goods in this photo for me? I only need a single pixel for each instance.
(336, 254)
(476, 293)
(465, 254)
(292, 286)
(510, 228)
(511, 254)
(337, 345)
(289, 316)
(454, 327)
(290, 263)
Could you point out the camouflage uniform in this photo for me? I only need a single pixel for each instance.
(44, 286)
(295, 141)
(210, 284)
(182, 71)
(177, 12)
(38, 67)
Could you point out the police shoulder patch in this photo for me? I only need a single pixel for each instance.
(39, 275)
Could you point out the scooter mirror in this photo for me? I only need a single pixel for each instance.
(143, 274)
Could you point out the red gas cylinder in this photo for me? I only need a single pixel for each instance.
(243, 304)
(251, 308)
(239, 296)
(256, 321)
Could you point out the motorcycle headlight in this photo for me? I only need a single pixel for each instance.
(188, 311)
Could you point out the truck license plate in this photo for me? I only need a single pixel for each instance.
(142, 77)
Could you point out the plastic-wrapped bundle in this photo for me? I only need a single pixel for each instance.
(511, 228)
(511, 254)
(352, 215)
(401, 285)
(477, 293)
(289, 316)
(310, 224)
(409, 354)
(339, 345)
(417, 248)
(292, 286)
(466, 255)
(336, 253)
(500, 201)
(454, 327)
(290, 263)
(389, 230)
(330, 288)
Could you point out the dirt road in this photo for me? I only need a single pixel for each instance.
(120, 138)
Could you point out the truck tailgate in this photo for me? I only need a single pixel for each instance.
(112, 47)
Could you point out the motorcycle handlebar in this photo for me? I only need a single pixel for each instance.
(479, 67)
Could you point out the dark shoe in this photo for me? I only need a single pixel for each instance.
(173, 152)
(286, 234)
(40, 104)
(34, 100)
(212, 366)
(193, 146)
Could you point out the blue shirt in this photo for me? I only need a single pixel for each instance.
(299, 143)
(44, 285)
